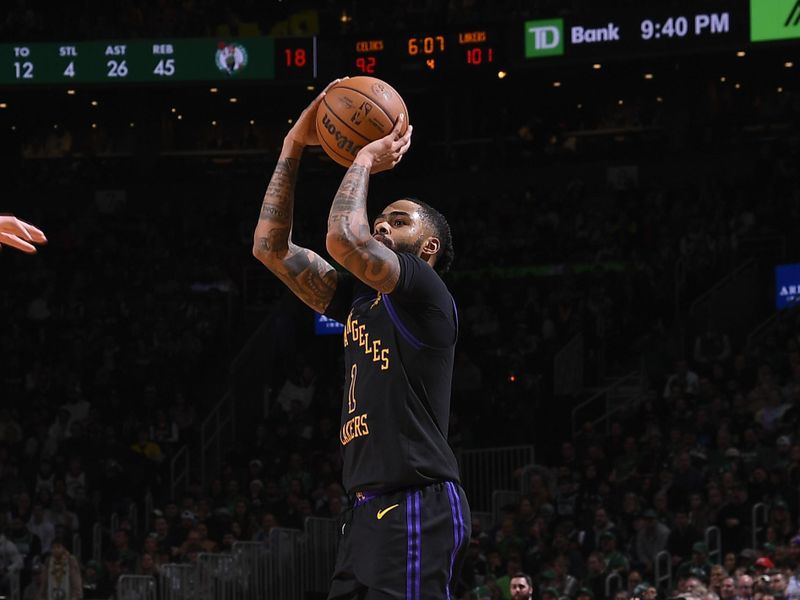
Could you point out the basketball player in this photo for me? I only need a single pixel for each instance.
(19, 234)
(409, 526)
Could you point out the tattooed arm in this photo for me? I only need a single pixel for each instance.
(349, 238)
(304, 272)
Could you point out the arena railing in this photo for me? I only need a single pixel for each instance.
(600, 407)
(177, 581)
(758, 521)
(136, 587)
(568, 367)
(663, 572)
(216, 434)
(97, 541)
(179, 469)
(217, 577)
(14, 590)
(713, 540)
(486, 469)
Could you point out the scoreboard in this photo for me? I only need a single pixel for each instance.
(598, 33)
(158, 60)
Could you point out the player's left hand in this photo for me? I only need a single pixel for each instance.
(385, 153)
(19, 234)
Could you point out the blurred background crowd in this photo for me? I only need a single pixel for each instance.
(614, 250)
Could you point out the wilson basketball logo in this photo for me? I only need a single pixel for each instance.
(342, 141)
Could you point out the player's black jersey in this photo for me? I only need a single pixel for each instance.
(398, 350)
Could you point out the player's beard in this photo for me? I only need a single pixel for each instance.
(400, 245)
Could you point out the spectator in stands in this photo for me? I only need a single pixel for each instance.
(683, 379)
(727, 589)
(521, 586)
(41, 526)
(744, 588)
(590, 538)
(61, 575)
(698, 566)
(650, 540)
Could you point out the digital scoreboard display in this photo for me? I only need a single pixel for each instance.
(147, 61)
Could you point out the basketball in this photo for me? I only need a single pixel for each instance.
(355, 112)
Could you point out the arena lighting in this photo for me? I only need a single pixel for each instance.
(213, 123)
(597, 66)
(738, 85)
(94, 103)
(780, 90)
(55, 126)
(345, 18)
(3, 105)
(580, 106)
(131, 124)
(556, 84)
(252, 121)
(70, 92)
(723, 79)
(501, 74)
(620, 102)
(233, 100)
(13, 128)
(310, 88)
(659, 99)
(94, 125)
(788, 64)
(213, 90)
(741, 53)
(180, 117)
(291, 121)
(648, 75)
(173, 110)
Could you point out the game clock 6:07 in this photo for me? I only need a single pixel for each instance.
(461, 49)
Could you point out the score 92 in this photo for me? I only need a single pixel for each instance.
(366, 64)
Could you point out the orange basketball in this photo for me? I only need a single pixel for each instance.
(355, 112)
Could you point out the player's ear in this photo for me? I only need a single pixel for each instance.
(431, 246)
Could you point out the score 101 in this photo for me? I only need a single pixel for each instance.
(467, 48)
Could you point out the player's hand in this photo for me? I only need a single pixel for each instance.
(304, 130)
(385, 153)
(19, 234)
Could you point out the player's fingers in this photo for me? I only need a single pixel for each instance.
(36, 234)
(7, 239)
(398, 125)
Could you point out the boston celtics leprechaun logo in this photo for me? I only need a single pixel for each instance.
(231, 58)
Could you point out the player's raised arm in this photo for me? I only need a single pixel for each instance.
(350, 237)
(303, 271)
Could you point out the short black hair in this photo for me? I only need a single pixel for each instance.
(525, 576)
(441, 228)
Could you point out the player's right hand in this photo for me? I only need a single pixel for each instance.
(304, 130)
(19, 234)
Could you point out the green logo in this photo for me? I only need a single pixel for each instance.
(545, 38)
(774, 20)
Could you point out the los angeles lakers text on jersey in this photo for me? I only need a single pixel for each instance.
(356, 333)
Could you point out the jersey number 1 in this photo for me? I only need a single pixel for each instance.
(351, 394)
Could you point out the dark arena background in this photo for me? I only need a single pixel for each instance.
(622, 183)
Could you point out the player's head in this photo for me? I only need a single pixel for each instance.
(410, 225)
(521, 587)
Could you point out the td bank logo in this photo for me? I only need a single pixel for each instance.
(774, 20)
(545, 38)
